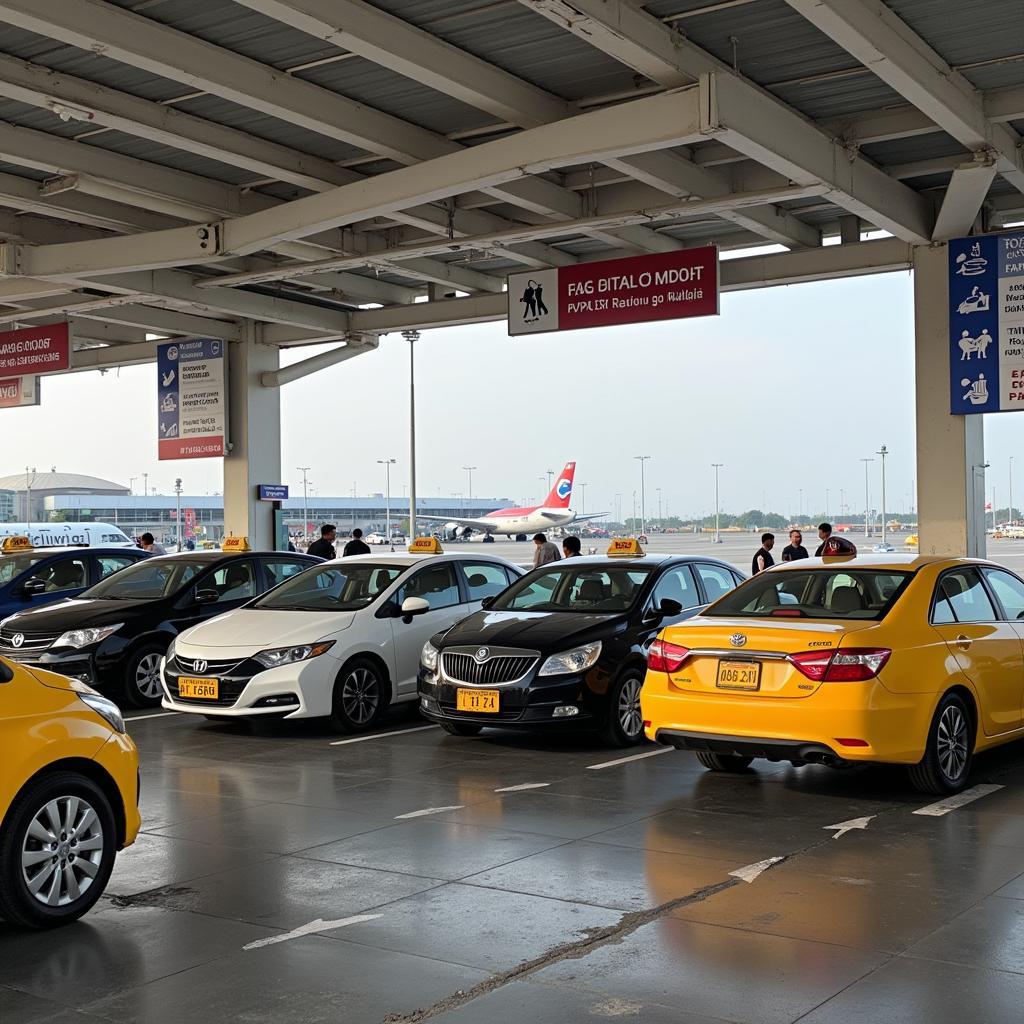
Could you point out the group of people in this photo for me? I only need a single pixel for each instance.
(324, 547)
(795, 550)
(547, 551)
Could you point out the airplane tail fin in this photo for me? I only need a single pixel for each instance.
(562, 490)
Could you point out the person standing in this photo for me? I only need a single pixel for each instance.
(824, 532)
(571, 547)
(545, 551)
(149, 544)
(324, 547)
(795, 549)
(356, 546)
(763, 556)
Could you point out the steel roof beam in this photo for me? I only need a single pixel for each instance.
(887, 46)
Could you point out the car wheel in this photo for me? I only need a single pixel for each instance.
(57, 850)
(625, 725)
(946, 765)
(361, 695)
(461, 728)
(141, 686)
(722, 762)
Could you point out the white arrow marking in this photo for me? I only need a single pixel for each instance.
(952, 803)
(751, 871)
(848, 826)
(525, 785)
(319, 925)
(429, 810)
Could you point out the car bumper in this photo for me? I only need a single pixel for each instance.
(888, 727)
(72, 662)
(119, 758)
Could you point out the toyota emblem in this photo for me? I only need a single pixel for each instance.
(737, 640)
(199, 666)
(18, 639)
(483, 654)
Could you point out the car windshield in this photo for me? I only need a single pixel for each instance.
(148, 579)
(581, 588)
(815, 594)
(334, 588)
(12, 566)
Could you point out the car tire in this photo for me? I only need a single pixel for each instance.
(362, 693)
(141, 685)
(723, 762)
(625, 724)
(23, 860)
(461, 728)
(946, 765)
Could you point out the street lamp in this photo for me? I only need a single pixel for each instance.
(177, 494)
(131, 484)
(412, 337)
(550, 473)
(28, 492)
(583, 498)
(643, 495)
(618, 508)
(660, 521)
(387, 464)
(1011, 491)
(867, 499)
(304, 470)
(717, 466)
(469, 470)
(883, 451)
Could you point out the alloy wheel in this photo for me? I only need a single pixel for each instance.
(62, 851)
(360, 695)
(630, 718)
(951, 743)
(147, 676)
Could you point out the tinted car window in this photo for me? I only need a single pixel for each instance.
(12, 566)
(67, 574)
(233, 582)
(435, 584)
(1009, 592)
(281, 569)
(677, 584)
(483, 579)
(343, 588)
(583, 589)
(148, 580)
(717, 580)
(109, 564)
(963, 589)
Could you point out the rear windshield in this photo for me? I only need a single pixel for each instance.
(815, 594)
(586, 589)
(339, 588)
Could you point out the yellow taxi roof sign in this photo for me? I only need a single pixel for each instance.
(625, 547)
(17, 543)
(426, 546)
(235, 544)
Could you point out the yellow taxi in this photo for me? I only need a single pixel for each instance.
(901, 659)
(69, 787)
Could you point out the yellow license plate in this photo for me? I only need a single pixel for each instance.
(480, 701)
(203, 689)
(739, 675)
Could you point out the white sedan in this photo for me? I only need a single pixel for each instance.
(340, 641)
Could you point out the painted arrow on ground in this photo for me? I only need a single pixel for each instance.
(849, 826)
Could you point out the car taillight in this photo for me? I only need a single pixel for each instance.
(666, 657)
(851, 665)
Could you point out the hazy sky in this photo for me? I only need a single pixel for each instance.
(789, 388)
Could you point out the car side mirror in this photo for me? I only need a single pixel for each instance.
(487, 602)
(413, 606)
(33, 586)
(669, 608)
(207, 596)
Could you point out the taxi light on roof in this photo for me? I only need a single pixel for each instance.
(235, 544)
(426, 546)
(625, 547)
(13, 544)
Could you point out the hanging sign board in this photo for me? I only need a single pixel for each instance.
(33, 350)
(19, 391)
(191, 399)
(609, 293)
(986, 324)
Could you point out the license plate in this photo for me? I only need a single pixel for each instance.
(739, 675)
(480, 701)
(202, 689)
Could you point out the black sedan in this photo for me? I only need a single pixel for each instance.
(115, 634)
(566, 645)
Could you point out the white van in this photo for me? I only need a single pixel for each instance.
(56, 535)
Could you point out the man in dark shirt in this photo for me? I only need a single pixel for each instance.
(795, 549)
(763, 556)
(356, 546)
(824, 532)
(324, 547)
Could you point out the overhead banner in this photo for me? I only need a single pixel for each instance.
(19, 391)
(986, 324)
(610, 293)
(191, 398)
(33, 350)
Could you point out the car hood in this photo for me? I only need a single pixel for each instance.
(250, 629)
(74, 613)
(541, 631)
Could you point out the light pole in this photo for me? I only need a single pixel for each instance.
(718, 466)
(28, 492)
(387, 464)
(469, 470)
(550, 473)
(826, 505)
(304, 470)
(583, 498)
(867, 499)
(131, 484)
(412, 337)
(177, 494)
(1011, 491)
(643, 496)
(145, 484)
(633, 520)
(618, 508)
(660, 520)
(883, 451)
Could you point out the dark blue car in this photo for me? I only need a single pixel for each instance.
(40, 576)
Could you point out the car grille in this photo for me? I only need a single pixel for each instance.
(32, 643)
(232, 675)
(463, 667)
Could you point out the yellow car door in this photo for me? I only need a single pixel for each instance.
(1008, 591)
(987, 650)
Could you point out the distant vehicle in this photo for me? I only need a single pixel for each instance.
(375, 538)
(55, 535)
(115, 634)
(519, 522)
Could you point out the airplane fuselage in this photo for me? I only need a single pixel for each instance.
(511, 521)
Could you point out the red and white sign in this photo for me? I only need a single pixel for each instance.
(35, 350)
(19, 391)
(609, 293)
(190, 523)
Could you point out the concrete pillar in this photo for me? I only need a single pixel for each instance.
(254, 414)
(950, 449)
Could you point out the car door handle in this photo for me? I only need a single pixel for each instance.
(963, 642)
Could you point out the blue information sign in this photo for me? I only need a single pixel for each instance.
(986, 324)
(273, 492)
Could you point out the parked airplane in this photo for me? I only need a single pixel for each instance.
(519, 522)
(55, 535)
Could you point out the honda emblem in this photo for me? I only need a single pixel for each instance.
(200, 666)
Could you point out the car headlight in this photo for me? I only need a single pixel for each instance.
(429, 656)
(103, 706)
(170, 651)
(86, 637)
(576, 660)
(288, 655)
